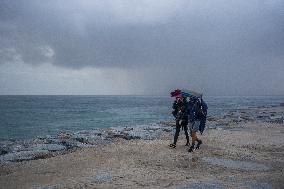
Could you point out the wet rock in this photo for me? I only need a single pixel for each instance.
(118, 130)
(54, 141)
(246, 118)
(106, 177)
(235, 164)
(24, 155)
(95, 132)
(64, 136)
(212, 119)
(38, 141)
(276, 119)
(94, 140)
(146, 132)
(258, 185)
(128, 129)
(202, 185)
(131, 136)
(167, 123)
(6, 143)
(167, 130)
(117, 135)
(262, 117)
(8, 146)
(49, 147)
(48, 140)
(46, 187)
(81, 139)
(124, 135)
(140, 134)
(69, 144)
(17, 147)
(3, 151)
(232, 178)
(153, 128)
(81, 145)
(88, 136)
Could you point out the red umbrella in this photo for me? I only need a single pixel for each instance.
(176, 93)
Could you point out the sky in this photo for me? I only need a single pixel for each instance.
(141, 47)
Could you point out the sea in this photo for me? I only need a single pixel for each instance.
(24, 117)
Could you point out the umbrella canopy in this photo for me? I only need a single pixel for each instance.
(176, 93)
(185, 93)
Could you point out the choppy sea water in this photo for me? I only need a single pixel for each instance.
(23, 117)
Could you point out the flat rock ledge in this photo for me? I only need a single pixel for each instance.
(44, 147)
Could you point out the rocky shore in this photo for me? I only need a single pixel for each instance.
(242, 149)
(43, 147)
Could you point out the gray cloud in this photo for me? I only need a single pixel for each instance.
(200, 42)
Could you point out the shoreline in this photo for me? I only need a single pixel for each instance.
(242, 148)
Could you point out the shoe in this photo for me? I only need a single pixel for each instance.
(173, 145)
(191, 149)
(198, 144)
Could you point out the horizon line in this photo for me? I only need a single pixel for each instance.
(153, 95)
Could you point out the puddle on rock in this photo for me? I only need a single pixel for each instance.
(235, 164)
(239, 129)
(258, 185)
(102, 177)
(202, 185)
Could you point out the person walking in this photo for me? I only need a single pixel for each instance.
(197, 119)
(180, 113)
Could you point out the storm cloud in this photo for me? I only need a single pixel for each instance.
(219, 47)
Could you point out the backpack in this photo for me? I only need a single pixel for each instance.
(198, 110)
(203, 107)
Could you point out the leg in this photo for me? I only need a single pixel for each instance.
(178, 126)
(201, 129)
(193, 139)
(177, 133)
(193, 130)
(186, 134)
(199, 142)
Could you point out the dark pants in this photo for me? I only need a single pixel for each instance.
(178, 126)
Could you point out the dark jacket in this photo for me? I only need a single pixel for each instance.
(182, 113)
(200, 109)
(176, 107)
(180, 109)
(191, 111)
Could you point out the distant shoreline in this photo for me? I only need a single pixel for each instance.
(139, 95)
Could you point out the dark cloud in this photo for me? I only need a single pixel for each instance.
(81, 36)
(188, 40)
